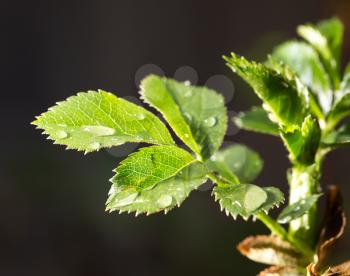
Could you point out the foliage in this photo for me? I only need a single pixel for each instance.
(304, 98)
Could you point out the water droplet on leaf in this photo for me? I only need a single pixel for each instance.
(164, 201)
(99, 130)
(126, 200)
(61, 134)
(140, 116)
(210, 122)
(94, 146)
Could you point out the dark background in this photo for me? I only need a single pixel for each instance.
(52, 218)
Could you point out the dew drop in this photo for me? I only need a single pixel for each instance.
(273, 117)
(127, 200)
(61, 134)
(94, 146)
(99, 130)
(210, 122)
(164, 201)
(140, 116)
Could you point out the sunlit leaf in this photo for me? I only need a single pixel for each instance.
(326, 38)
(274, 198)
(338, 137)
(333, 30)
(154, 179)
(340, 110)
(257, 120)
(196, 114)
(143, 169)
(246, 199)
(93, 120)
(344, 87)
(304, 60)
(303, 142)
(341, 105)
(164, 196)
(236, 161)
(281, 92)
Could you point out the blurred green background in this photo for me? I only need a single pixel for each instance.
(52, 201)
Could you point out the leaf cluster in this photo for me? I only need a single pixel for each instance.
(161, 176)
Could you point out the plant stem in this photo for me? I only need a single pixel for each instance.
(274, 227)
(271, 224)
(304, 182)
(280, 232)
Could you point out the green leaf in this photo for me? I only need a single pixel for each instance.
(333, 30)
(347, 70)
(338, 137)
(153, 179)
(297, 209)
(196, 114)
(162, 197)
(246, 199)
(256, 119)
(341, 109)
(304, 60)
(281, 92)
(345, 84)
(326, 38)
(274, 198)
(236, 161)
(145, 168)
(341, 106)
(303, 142)
(93, 120)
